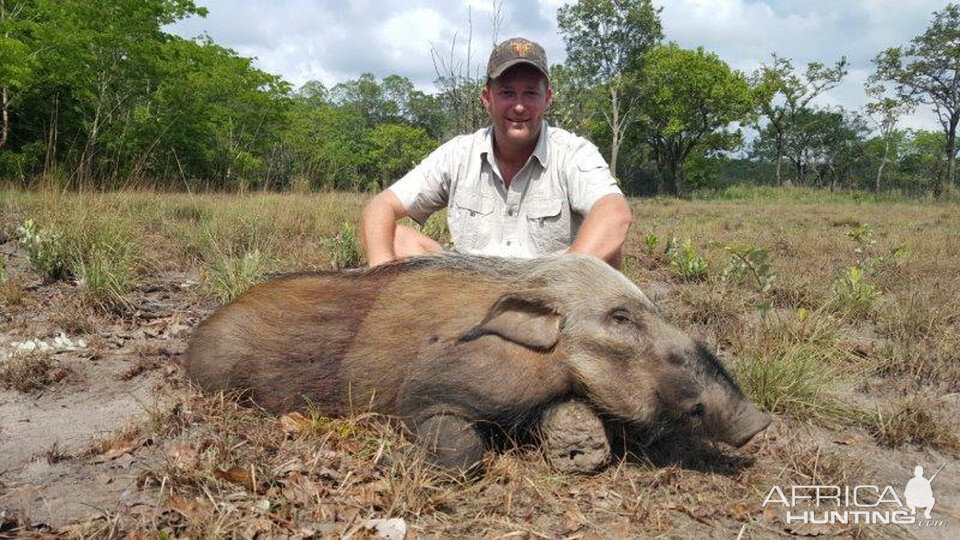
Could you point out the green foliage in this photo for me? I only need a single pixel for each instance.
(437, 228)
(230, 276)
(46, 250)
(106, 274)
(789, 381)
(925, 72)
(650, 242)
(852, 294)
(344, 250)
(746, 260)
(395, 149)
(683, 114)
(686, 261)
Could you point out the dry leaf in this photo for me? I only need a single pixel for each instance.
(115, 449)
(294, 423)
(184, 456)
(240, 477)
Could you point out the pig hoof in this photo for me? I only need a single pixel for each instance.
(573, 438)
(451, 443)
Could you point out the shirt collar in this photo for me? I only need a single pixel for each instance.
(539, 151)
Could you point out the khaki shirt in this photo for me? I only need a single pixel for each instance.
(540, 213)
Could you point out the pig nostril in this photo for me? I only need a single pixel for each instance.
(697, 410)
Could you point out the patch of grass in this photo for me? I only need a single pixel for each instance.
(436, 227)
(229, 277)
(27, 372)
(791, 382)
(344, 249)
(106, 274)
(11, 293)
(914, 420)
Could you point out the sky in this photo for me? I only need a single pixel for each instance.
(337, 40)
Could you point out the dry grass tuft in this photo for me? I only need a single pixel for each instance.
(28, 372)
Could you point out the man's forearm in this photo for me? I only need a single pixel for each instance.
(604, 229)
(378, 225)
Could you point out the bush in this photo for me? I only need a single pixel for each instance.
(852, 295)
(685, 260)
(750, 261)
(46, 250)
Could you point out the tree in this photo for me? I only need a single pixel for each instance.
(17, 61)
(885, 112)
(785, 94)
(606, 42)
(691, 98)
(395, 149)
(926, 71)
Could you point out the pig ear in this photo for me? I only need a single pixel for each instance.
(524, 319)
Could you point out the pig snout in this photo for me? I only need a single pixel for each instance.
(695, 383)
(749, 422)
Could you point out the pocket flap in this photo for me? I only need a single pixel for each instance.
(544, 208)
(475, 205)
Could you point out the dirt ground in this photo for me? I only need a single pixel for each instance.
(79, 457)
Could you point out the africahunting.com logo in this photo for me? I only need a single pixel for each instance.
(866, 504)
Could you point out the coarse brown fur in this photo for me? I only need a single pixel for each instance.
(451, 343)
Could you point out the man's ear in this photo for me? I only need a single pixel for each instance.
(485, 96)
(526, 319)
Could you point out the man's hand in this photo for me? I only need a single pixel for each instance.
(604, 229)
(378, 226)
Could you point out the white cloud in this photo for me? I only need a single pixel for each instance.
(337, 40)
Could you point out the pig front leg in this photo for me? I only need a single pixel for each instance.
(450, 441)
(573, 437)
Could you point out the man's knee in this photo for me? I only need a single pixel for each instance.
(408, 242)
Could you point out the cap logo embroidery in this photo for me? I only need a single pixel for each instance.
(522, 48)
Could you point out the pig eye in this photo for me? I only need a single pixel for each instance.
(621, 316)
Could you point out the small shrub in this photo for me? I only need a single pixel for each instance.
(26, 372)
(228, 277)
(685, 260)
(650, 241)
(750, 261)
(852, 295)
(344, 249)
(189, 212)
(11, 293)
(46, 250)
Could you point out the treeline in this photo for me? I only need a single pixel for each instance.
(95, 94)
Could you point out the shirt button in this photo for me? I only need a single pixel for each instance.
(508, 242)
(510, 212)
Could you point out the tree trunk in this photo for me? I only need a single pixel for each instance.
(779, 159)
(886, 151)
(951, 154)
(6, 118)
(615, 129)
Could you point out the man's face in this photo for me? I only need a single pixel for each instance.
(516, 102)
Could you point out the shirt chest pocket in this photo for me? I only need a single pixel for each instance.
(469, 221)
(548, 224)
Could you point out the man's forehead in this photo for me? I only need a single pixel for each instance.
(521, 75)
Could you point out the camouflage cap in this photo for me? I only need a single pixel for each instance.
(516, 51)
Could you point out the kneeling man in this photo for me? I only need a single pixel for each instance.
(518, 188)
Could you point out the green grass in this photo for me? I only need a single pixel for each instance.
(228, 277)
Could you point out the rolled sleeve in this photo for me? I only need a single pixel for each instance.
(588, 177)
(426, 188)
